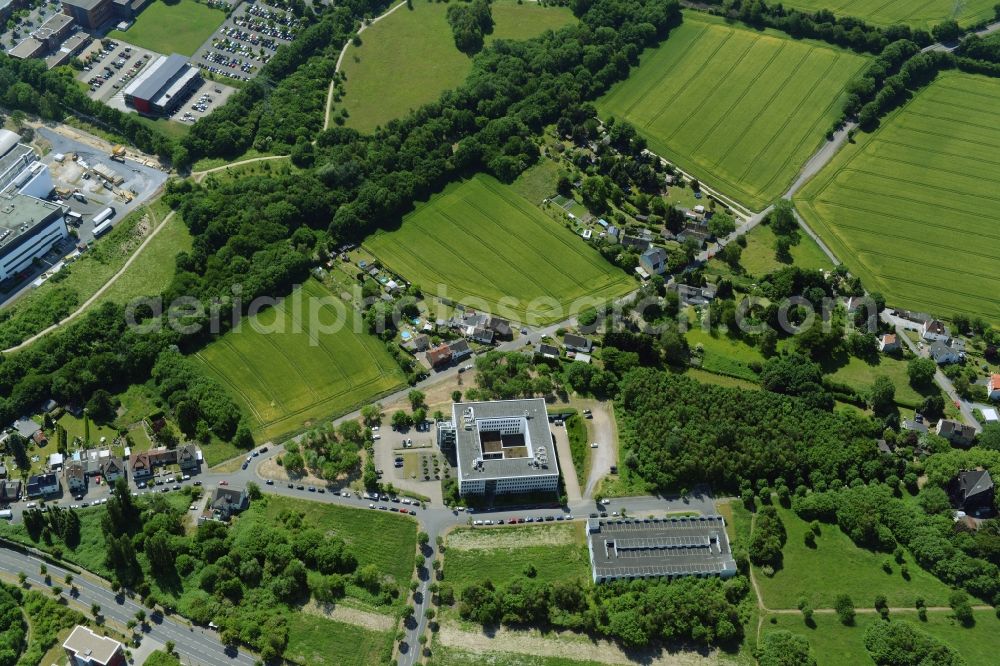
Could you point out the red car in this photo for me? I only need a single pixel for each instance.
(223, 483)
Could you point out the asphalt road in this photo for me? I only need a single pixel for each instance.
(196, 646)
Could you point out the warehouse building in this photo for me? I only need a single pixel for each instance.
(29, 227)
(163, 85)
(659, 548)
(501, 447)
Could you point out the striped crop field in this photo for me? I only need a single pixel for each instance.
(482, 244)
(286, 370)
(742, 110)
(914, 207)
(915, 13)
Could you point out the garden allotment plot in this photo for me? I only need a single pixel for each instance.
(741, 110)
(914, 208)
(300, 373)
(480, 242)
(916, 13)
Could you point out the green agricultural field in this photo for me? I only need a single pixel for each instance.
(409, 58)
(480, 243)
(837, 566)
(912, 208)
(740, 109)
(558, 553)
(178, 27)
(316, 640)
(299, 373)
(924, 14)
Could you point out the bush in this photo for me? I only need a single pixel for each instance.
(845, 609)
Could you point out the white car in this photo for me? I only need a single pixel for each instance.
(376, 436)
(593, 445)
(605, 501)
(374, 428)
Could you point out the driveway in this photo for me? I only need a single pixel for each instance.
(560, 434)
(604, 431)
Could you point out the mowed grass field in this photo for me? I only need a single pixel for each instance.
(478, 242)
(742, 110)
(914, 207)
(287, 370)
(922, 14)
(316, 640)
(409, 58)
(180, 27)
(558, 553)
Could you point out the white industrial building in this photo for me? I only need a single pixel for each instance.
(502, 447)
(20, 170)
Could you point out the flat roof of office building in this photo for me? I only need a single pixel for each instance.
(20, 214)
(486, 454)
(669, 547)
(147, 86)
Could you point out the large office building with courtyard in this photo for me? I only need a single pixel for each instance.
(624, 549)
(501, 447)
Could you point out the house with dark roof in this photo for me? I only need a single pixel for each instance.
(439, 355)
(421, 343)
(693, 296)
(654, 260)
(501, 328)
(578, 343)
(635, 243)
(955, 432)
(884, 448)
(224, 504)
(26, 428)
(10, 491)
(112, 468)
(943, 354)
(42, 484)
(973, 492)
(460, 349)
(142, 468)
(915, 426)
(934, 330)
(482, 335)
(548, 351)
(76, 477)
(187, 458)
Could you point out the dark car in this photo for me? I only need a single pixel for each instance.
(300, 487)
(291, 485)
(269, 482)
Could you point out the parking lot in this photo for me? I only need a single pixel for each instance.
(246, 41)
(108, 70)
(203, 101)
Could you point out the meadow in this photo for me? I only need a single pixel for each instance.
(916, 14)
(409, 58)
(741, 110)
(287, 371)
(316, 640)
(558, 553)
(480, 243)
(758, 257)
(449, 656)
(912, 207)
(837, 566)
(178, 27)
(834, 644)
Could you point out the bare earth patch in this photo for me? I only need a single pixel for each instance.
(565, 644)
(355, 616)
(512, 537)
(270, 469)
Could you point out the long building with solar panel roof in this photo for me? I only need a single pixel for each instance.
(659, 548)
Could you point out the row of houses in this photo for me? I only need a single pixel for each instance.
(187, 457)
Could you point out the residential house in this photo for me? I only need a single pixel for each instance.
(85, 648)
(482, 335)
(994, 387)
(699, 236)
(112, 468)
(884, 448)
(187, 458)
(973, 492)
(635, 243)
(43, 484)
(40, 439)
(955, 432)
(76, 477)
(934, 331)
(56, 461)
(915, 426)
(3, 471)
(654, 260)
(50, 406)
(577, 343)
(439, 355)
(460, 349)
(501, 328)
(142, 466)
(10, 492)
(943, 354)
(26, 428)
(888, 343)
(548, 351)
(694, 296)
(421, 343)
(579, 356)
(224, 504)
